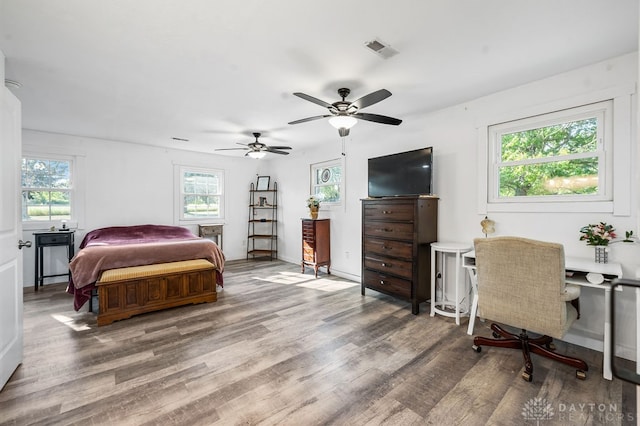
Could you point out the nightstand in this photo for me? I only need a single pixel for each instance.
(51, 239)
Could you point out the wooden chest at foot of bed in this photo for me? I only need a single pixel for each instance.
(125, 292)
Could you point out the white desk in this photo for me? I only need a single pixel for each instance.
(440, 306)
(576, 264)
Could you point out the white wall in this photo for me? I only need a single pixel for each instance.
(132, 184)
(453, 132)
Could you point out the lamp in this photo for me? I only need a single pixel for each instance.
(256, 154)
(342, 122)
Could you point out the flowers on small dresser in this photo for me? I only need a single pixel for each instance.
(313, 202)
(597, 234)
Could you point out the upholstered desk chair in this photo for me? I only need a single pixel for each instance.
(521, 283)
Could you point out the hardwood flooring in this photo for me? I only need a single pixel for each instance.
(280, 347)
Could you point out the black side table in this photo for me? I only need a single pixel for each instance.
(51, 239)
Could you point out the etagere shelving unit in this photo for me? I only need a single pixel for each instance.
(262, 233)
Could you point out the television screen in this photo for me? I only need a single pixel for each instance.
(405, 173)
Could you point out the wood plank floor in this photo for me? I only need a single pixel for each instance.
(280, 347)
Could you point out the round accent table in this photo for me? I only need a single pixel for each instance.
(450, 308)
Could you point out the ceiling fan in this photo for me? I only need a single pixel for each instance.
(344, 114)
(258, 149)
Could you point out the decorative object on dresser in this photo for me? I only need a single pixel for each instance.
(262, 231)
(316, 244)
(314, 205)
(396, 237)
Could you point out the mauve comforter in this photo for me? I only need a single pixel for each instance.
(123, 246)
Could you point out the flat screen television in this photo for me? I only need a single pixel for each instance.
(405, 173)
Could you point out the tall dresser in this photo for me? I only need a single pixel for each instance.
(396, 237)
(316, 244)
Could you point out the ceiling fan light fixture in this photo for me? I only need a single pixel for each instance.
(342, 122)
(256, 154)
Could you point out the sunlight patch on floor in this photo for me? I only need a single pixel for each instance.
(70, 322)
(328, 285)
(308, 281)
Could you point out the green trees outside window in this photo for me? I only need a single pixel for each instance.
(201, 193)
(46, 189)
(563, 156)
(559, 159)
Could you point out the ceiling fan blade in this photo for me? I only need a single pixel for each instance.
(371, 98)
(304, 120)
(377, 118)
(231, 149)
(279, 147)
(314, 100)
(276, 151)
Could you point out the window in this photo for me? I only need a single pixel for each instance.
(201, 194)
(557, 157)
(47, 189)
(326, 181)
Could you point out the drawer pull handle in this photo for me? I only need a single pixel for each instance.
(386, 265)
(382, 282)
(386, 230)
(386, 248)
(386, 211)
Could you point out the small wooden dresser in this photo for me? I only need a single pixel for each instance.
(316, 244)
(396, 237)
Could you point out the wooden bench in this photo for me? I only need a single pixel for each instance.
(125, 292)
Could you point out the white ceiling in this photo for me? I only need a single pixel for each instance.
(213, 72)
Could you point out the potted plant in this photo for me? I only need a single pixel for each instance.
(313, 204)
(598, 235)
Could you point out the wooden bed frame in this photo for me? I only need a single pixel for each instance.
(125, 292)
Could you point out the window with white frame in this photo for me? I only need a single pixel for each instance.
(201, 193)
(327, 181)
(562, 156)
(47, 190)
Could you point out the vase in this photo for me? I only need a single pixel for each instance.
(313, 211)
(601, 255)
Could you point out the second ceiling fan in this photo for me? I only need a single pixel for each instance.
(344, 114)
(258, 149)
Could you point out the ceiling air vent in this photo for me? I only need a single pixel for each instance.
(380, 48)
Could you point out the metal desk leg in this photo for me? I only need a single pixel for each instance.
(606, 352)
(473, 277)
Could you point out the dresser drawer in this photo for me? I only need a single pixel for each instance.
(389, 211)
(210, 230)
(55, 239)
(308, 252)
(402, 268)
(399, 231)
(387, 284)
(388, 247)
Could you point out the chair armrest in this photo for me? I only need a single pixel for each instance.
(571, 292)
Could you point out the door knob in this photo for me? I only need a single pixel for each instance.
(24, 244)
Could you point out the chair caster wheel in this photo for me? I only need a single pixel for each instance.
(477, 348)
(551, 346)
(581, 374)
(527, 377)
(495, 335)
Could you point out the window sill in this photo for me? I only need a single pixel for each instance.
(555, 207)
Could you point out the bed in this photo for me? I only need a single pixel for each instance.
(122, 247)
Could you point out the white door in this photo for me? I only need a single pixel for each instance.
(10, 234)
